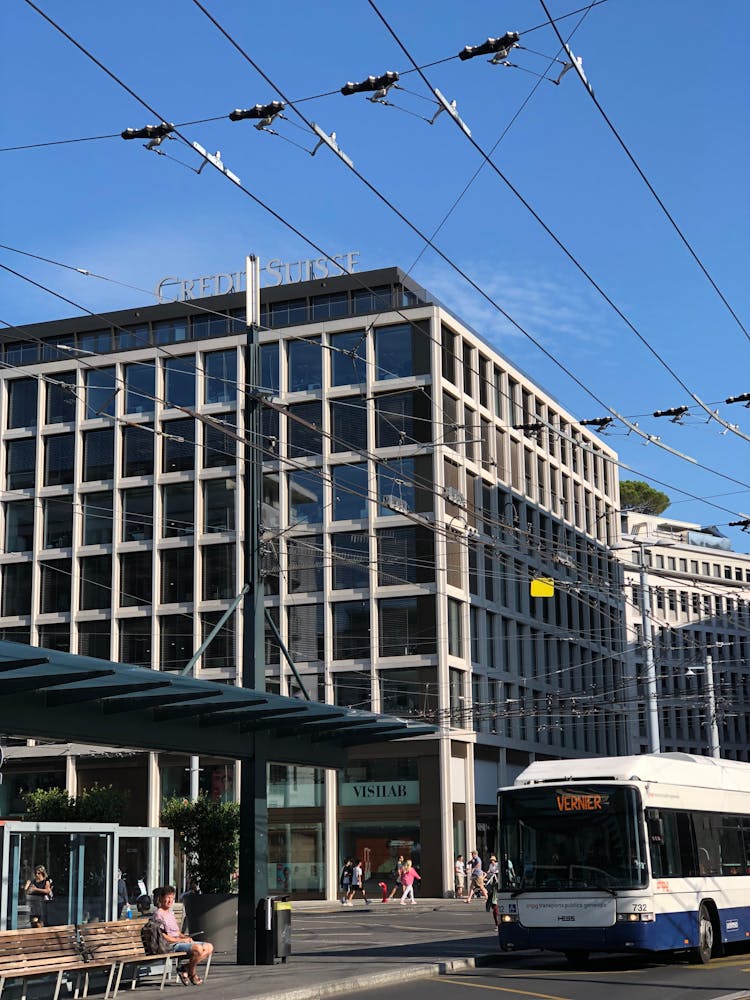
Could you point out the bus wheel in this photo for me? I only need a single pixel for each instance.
(702, 954)
(577, 957)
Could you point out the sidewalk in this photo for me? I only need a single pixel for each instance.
(338, 950)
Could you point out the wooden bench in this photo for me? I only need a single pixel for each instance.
(119, 941)
(46, 951)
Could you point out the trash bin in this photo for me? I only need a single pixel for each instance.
(273, 930)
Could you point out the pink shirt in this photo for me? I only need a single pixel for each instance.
(408, 875)
(167, 919)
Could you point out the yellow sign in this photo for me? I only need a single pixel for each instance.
(542, 586)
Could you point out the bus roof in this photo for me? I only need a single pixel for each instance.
(686, 769)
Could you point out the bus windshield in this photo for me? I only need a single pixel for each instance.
(563, 837)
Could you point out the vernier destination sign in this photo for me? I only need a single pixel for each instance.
(276, 272)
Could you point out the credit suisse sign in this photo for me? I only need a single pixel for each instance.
(273, 272)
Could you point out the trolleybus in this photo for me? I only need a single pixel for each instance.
(644, 853)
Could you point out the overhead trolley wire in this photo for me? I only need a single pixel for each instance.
(556, 239)
(648, 183)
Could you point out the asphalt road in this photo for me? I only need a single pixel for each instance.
(548, 977)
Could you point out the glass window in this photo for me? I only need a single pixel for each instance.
(171, 331)
(219, 505)
(22, 399)
(351, 689)
(179, 445)
(97, 518)
(55, 586)
(20, 457)
(455, 628)
(55, 637)
(269, 368)
(409, 692)
(331, 306)
(135, 579)
(405, 555)
(221, 376)
(351, 630)
(177, 576)
(218, 572)
(407, 626)
(305, 359)
(96, 342)
(137, 514)
(305, 564)
(349, 424)
(138, 451)
(305, 492)
(449, 355)
(101, 390)
(205, 326)
(19, 526)
(140, 387)
(58, 522)
(220, 654)
(305, 440)
(406, 484)
(135, 641)
(269, 431)
(59, 450)
(306, 635)
(132, 336)
(96, 582)
(401, 351)
(61, 397)
(351, 560)
(402, 418)
(94, 639)
(178, 510)
(287, 313)
(219, 447)
(350, 491)
(99, 454)
(367, 300)
(21, 353)
(179, 381)
(177, 645)
(17, 588)
(348, 358)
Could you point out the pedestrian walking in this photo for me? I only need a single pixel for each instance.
(492, 884)
(345, 881)
(477, 878)
(397, 870)
(460, 870)
(358, 884)
(408, 877)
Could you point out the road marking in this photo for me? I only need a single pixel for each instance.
(458, 981)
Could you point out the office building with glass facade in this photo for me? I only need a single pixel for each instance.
(416, 484)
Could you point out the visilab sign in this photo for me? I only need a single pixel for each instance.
(172, 289)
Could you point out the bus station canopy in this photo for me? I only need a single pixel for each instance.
(62, 696)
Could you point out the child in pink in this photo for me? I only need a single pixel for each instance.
(408, 874)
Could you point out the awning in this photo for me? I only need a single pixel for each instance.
(63, 696)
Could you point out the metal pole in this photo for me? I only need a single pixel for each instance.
(253, 860)
(648, 650)
(714, 744)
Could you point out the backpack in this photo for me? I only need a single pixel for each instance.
(152, 936)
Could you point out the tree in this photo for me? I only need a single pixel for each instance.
(98, 804)
(208, 834)
(639, 496)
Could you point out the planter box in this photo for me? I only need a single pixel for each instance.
(216, 915)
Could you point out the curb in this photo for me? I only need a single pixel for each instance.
(376, 979)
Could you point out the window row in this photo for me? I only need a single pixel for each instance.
(142, 385)
(138, 447)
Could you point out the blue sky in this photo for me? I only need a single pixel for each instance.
(671, 76)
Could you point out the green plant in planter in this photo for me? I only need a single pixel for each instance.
(208, 834)
(97, 804)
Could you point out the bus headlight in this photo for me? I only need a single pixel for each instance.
(508, 918)
(631, 918)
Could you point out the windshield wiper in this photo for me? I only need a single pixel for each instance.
(603, 888)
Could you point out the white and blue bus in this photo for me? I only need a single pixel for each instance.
(646, 853)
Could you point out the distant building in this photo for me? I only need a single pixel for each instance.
(416, 483)
(700, 618)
